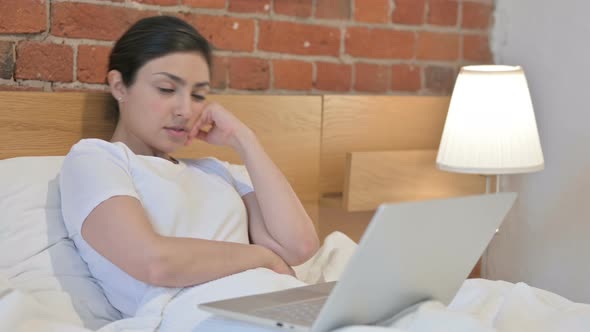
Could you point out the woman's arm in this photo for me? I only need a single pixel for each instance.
(119, 230)
(277, 219)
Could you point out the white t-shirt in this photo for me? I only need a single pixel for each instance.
(194, 198)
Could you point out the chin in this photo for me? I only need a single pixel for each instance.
(166, 143)
(171, 148)
(168, 146)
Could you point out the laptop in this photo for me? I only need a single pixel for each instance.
(410, 252)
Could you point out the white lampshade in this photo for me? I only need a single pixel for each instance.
(490, 127)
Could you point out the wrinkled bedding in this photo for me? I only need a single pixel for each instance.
(480, 305)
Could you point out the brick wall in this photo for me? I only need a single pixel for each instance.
(263, 46)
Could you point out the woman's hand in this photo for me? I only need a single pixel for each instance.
(217, 126)
(276, 263)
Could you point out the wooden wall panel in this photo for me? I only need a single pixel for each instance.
(375, 123)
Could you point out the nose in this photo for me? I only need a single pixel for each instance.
(183, 109)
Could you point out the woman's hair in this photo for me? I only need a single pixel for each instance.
(151, 38)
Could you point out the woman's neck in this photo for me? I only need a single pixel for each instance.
(136, 145)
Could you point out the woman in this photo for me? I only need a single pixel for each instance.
(142, 219)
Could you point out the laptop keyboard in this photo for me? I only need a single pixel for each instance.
(300, 313)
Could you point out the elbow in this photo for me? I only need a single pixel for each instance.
(305, 250)
(157, 273)
(307, 247)
(158, 270)
(311, 247)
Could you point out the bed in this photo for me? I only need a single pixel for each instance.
(327, 146)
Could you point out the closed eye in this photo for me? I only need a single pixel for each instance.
(166, 90)
(198, 97)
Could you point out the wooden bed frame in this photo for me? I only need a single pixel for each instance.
(342, 154)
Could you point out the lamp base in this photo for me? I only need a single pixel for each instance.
(484, 257)
(489, 183)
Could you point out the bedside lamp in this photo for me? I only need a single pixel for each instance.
(490, 127)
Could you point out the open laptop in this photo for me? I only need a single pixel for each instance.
(410, 252)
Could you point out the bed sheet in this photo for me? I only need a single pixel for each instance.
(480, 305)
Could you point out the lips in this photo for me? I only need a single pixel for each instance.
(176, 131)
(175, 128)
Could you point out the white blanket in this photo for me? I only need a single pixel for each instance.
(480, 305)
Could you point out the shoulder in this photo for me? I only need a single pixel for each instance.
(98, 146)
(95, 153)
(94, 148)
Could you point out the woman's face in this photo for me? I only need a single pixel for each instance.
(166, 98)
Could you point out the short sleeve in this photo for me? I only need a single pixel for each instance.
(236, 175)
(91, 173)
(241, 178)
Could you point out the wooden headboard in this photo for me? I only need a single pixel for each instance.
(343, 155)
(289, 127)
(383, 148)
(374, 123)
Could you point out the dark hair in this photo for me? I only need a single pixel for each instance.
(151, 38)
(154, 37)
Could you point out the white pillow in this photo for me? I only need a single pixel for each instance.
(36, 254)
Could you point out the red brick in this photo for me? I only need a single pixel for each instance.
(43, 61)
(440, 79)
(438, 46)
(93, 63)
(81, 20)
(371, 77)
(375, 11)
(405, 78)
(299, 8)
(6, 59)
(23, 16)
(287, 37)
(443, 12)
(249, 6)
(333, 76)
(19, 88)
(409, 12)
(158, 2)
(224, 32)
(333, 9)
(249, 74)
(292, 75)
(380, 43)
(219, 72)
(214, 4)
(476, 15)
(477, 48)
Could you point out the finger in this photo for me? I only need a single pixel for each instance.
(197, 124)
(195, 128)
(202, 135)
(202, 121)
(192, 131)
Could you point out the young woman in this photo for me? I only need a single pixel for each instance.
(142, 219)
